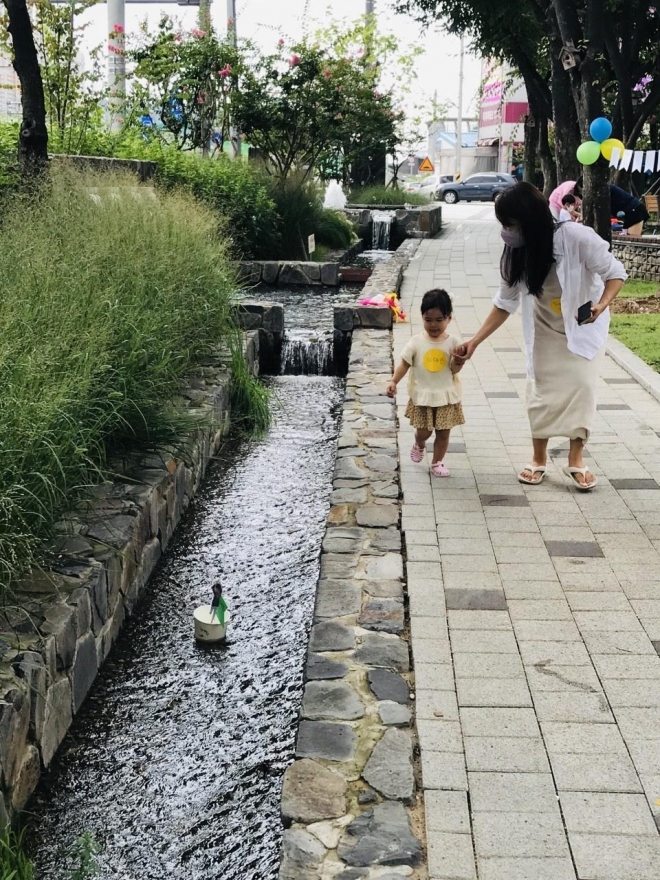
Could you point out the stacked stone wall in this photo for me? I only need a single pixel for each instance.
(640, 255)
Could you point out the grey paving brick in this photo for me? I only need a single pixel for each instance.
(568, 706)
(488, 665)
(512, 792)
(612, 406)
(544, 677)
(451, 857)
(554, 653)
(479, 620)
(431, 651)
(616, 857)
(642, 693)
(540, 609)
(644, 484)
(434, 677)
(504, 500)
(593, 601)
(519, 835)
(594, 773)
(638, 724)
(444, 771)
(447, 811)
(475, 600)
(636, 667)
(440, 736)
(618, 643)
(436, 704)
(607, 621)
(526, 869)
(583, 738)
(505, 754)
(645, 754)
(606, 813)
(498, 722)
(504, 692)
(574, 548)
(546, 631)
(483, 641)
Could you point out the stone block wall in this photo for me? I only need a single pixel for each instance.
(289, 273)
(143, 169)
(63, 622)
(424, 221)
(640, 255)
(267, 320)
(351, 800)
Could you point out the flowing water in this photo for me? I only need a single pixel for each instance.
(382, 229)
(175, 762)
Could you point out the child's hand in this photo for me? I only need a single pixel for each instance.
(391, 388)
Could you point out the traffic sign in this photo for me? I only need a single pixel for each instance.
(426, 165)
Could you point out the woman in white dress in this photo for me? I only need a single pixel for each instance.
(551, 270)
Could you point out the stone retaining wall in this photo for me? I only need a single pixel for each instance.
(640, 255)
(143, 169)
(280, 272)
(63, 622)
(410, 221)
(267, 319)
(351, 800)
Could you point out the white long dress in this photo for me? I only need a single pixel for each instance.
(561, 399)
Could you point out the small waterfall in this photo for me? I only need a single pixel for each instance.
(307, 357)
(382, 228)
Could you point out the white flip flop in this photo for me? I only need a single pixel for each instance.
(570, 473)
(535, 469)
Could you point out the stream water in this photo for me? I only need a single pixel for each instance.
(175, 762)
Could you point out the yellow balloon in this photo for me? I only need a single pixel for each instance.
(612, 144)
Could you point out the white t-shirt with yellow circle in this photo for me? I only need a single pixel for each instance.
(430, 380)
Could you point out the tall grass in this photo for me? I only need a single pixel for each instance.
(385, 195)
(108, 296)
(14, 862)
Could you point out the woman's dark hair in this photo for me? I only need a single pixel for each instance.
(522, 205)
(437, 299)
(569, 199)
(577, 189)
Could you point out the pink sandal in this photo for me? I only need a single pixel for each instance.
(438, 469)
(417, 453)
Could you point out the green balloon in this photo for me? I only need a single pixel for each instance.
(588, 152)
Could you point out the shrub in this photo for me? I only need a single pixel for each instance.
(108, 296)
(333, 229)
(385, 195)
(14, 863)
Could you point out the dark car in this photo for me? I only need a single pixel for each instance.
(482, 187)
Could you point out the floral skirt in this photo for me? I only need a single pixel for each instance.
(439, 418)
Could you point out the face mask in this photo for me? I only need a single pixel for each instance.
(512, 237)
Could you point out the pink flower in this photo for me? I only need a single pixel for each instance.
(197, 33)
(294, 61)
(177, 38)
(280, 42)
(226, 70)
(118, 28)
(327, 73)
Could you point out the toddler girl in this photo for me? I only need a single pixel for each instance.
(433, 386)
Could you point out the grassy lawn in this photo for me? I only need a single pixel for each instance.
(639, 289)
(641, 333)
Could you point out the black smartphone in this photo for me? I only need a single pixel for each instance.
(584, 313)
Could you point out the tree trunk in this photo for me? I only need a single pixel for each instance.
(548, 164)
(567, 130)
(531, 145)
(33, 137)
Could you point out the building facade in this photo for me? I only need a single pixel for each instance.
(502, 112)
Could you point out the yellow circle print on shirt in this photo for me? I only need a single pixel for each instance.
(555, 305)
(435, 360)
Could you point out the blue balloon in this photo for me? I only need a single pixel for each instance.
(600, 129)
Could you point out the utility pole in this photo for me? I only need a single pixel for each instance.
(116, 62)
(459, 114)
(234, 133)
(370, 7)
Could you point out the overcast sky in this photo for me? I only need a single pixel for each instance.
(265, 21)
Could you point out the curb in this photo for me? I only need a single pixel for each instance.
(638, 369)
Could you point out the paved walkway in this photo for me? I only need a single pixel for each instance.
(535, 615)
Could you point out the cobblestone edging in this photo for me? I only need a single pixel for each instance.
(351, 799)
(64, 622)
(640, 255)
(387, 277)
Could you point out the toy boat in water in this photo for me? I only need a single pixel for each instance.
(208, 628)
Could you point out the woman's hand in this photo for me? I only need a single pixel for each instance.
(464, 352)
(596, 312)
(391, 388)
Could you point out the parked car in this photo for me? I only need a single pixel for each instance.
(484, 187)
